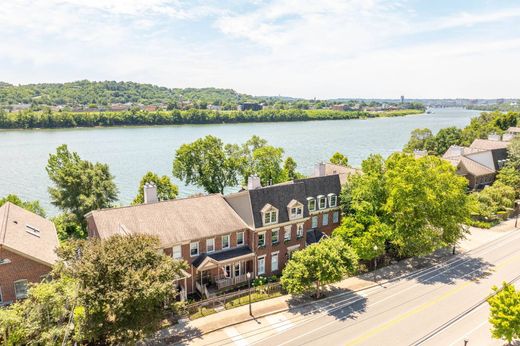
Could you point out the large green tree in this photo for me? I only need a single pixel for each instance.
(505, 312)
(408, 205)
(32, 206)
(267, 165)
(165, 188)
(420, 139)
(123, 286)
(339, 159)
(289, 168)
(79, 186)
(207, 163)
(427, 203)
(317, 265)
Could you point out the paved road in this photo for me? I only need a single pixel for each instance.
(435, 306)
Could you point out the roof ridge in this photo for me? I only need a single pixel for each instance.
(159, 202)
(3, 224)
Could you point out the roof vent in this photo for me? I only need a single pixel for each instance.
(32, 230)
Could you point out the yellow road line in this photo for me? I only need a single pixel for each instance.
(403, 316)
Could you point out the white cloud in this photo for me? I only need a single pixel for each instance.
(330, 48)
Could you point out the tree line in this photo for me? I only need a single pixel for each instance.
(91, 94)
(28, 119)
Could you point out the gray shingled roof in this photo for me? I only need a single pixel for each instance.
(280, 195)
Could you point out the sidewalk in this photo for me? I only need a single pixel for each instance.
(227, 318)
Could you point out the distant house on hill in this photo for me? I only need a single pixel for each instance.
(27, 251)
(479, 162)
(247, 106)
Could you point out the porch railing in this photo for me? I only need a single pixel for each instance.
(223, 282)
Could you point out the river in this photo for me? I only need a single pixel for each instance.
(132, 151)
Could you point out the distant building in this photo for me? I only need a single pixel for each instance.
(214, 107)
(247, 106)
(150, 108)
(341, 107)
(480, 162)
(402, 98)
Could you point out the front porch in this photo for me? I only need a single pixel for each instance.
(218, 272)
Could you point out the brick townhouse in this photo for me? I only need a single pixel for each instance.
(225, 237)
(27, 251)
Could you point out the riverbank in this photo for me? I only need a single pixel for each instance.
(63, 119)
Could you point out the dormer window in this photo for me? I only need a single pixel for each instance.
(333, 200)
(311, 203)
(322, 202)
(295, 210)
(270, 214)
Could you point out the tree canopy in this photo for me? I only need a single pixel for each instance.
(166, 190)
(79, 186)
(505, 312)
(206, 163)
(339, 159)
(32, 206)
(317, 265)
(404, 204)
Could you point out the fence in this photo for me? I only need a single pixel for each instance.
(224, 301)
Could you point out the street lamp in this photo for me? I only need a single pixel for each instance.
(375, 262)
(248, 275)
(466, 340)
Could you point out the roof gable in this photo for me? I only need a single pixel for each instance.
(28, 234)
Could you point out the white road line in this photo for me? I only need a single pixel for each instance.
(468, 333)
(279, 322)
(233, 333)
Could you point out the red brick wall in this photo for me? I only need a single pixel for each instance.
(20, 268)
(282, 247)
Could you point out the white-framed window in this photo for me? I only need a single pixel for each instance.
(325, 220)
(32, 230)
(210, 245)
(194, 249)
(314, 222)
(4, 261)
(236, 269)
(275, 236)
(333, 200)
(1, 296)
(261, 265)
(270, 215)
(287, 233)
(322, 202)
(299, 230)
(240, 238)
(274, 261)
(225, 241)
(296, 212)
(311, 204)
(20, 289)
(335, 217)
(177, 252)
(261, 239)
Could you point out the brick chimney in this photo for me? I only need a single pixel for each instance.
(494, 137)
(319, 169)
(150, 193)
(253, 182)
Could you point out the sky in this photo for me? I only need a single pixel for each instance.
(322, 49)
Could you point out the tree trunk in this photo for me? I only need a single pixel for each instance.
(317, 289)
